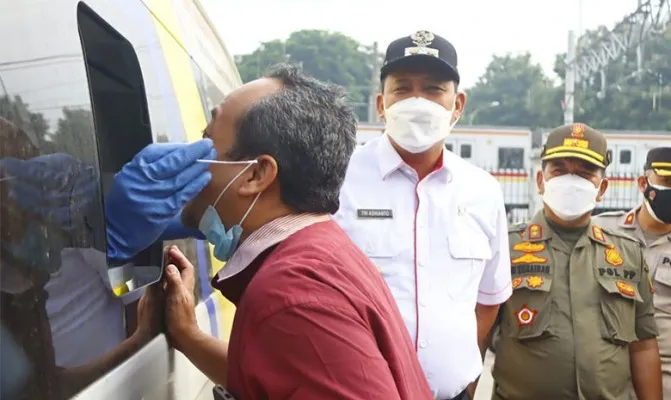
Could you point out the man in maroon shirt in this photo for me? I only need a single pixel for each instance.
(314, 318)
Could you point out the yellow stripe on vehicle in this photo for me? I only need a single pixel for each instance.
(193, 116)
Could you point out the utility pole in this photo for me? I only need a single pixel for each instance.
(374, 83)
(569, 80)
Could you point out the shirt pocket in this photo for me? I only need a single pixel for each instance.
(469, 251)
(529, 310)
(663, 270)
(618, 300)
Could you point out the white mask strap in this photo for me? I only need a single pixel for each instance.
(249, 164)
(250, 208)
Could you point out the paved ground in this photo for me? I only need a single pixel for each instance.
(484, 391)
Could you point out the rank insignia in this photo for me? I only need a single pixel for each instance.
(535, 232)
(598, 234)
(529, 258)
(629, 220)
(625, 288)
(613, 256)
(525, 316)
(535, 281)
(517, 282)
(578, 131)
(528, 247)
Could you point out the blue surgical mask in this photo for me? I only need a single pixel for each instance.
(225, 241)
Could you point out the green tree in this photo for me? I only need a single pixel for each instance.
(630, 99)
(328, 56)
(74, 135)
(513, 91)
(18, 112)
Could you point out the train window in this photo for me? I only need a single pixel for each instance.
(121, 120)
(625, 157)
(465, 151)
(449, 146)
(511, 158)
(610, 154)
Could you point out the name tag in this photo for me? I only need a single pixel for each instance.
(370, 213)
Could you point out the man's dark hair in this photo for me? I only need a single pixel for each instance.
(309, 128)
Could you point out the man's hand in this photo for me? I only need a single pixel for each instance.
(150, 316)
(179, 283)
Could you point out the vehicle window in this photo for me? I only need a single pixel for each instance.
(449, 146)
(465, 151)
(625, 157)
(511, 158)
(610, 154)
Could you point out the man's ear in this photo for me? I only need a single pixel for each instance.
(379, 102)
(459, 106)
(259, 176)
(540, 182)
(642, 182)
(602, 188)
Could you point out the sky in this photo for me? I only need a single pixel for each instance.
(477, 28)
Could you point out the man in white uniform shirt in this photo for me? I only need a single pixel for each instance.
(433, 224)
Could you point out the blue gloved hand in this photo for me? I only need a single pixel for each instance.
(149, 193)
(56, 187)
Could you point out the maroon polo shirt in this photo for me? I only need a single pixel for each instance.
(315, 320)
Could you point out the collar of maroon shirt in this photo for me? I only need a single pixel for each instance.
(245, 262)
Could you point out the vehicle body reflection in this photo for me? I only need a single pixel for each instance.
(84, 85)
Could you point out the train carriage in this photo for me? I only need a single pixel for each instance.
(507, 153)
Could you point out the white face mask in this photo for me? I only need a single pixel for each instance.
(416, 123)
(570, 196)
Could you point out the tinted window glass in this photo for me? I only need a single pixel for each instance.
(465, 151)
(511, 158)
(625, 157)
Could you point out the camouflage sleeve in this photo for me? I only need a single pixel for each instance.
(646, 327)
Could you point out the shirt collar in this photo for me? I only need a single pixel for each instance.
(265, 237)
(390, 161)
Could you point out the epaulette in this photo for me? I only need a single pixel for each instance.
(622, 235)
(611, 214)
(518, 227)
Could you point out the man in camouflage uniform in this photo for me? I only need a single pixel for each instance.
(651, 224)
(580, 322)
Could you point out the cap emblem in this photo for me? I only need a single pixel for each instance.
(422, 38)
(578, 131)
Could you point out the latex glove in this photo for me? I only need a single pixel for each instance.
(56, 187)
(150, 191)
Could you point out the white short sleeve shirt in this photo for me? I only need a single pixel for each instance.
(441, 244)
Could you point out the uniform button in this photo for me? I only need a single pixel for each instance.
(422, 343)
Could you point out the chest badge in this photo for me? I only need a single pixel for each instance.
(374, 213)
(529, 258)
(534, 281)
(525, 316)
(613, 256)
(625, 288)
